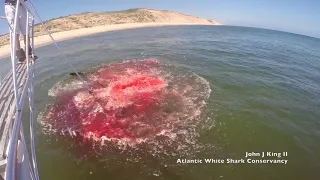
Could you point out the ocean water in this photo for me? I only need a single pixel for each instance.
(264, 97)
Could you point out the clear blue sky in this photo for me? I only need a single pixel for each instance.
(297, 16)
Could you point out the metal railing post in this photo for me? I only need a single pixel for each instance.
(12, 154)
(16, 129)
(27, 43)
(32, 44)
(30, 94)
(29, 78)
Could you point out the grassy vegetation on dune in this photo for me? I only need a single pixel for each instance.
(90, 19)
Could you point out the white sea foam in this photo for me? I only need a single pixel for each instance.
(179, 133)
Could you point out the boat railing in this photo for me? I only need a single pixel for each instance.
(17, 150)
(18, 164)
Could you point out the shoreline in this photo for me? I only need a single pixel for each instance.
(67, 35)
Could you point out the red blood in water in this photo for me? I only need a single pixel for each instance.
(125, 104)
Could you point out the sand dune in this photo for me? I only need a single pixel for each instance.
(90, 23)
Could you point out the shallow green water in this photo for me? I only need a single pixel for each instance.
(265, 98)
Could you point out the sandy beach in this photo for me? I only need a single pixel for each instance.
(65, 35)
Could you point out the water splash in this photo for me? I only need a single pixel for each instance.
(134, 102)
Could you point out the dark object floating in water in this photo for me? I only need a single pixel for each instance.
(75, 74)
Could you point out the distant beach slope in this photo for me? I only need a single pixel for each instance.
(89, 19)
